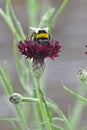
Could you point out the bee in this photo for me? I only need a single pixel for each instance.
(40, 35)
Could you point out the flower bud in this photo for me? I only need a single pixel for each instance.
(82, 74)
(15, 98)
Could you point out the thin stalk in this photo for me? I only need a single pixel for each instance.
(53, 125)
(8, 3)
(52, 106)
(5, 81)
(14, 126)
(20, 68)
(9, 13)
(21, 118)
(78, 108)
(60, 9)
(37, 107)
(33, 6)
(75, 94)
(42, 107)
(10, 90)
(9, 23)
(11, 120)
(19, 28)
(28, 99)
(55, 108)
(46, 18)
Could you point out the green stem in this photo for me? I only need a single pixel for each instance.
(51, 106)
(57, 14)
(14, 126)
(53, 125)
(45, 18)
(9, 23)
(21, 118)
(27, 99)
(19, 28)
(37, 107)
(11, 120)
(8, 3)
(75, 94)
(60, 113)
(42, 106)
(32, 6)
(6, 82)
(9, 10)
(78, 108)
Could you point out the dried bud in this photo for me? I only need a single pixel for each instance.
(82, 74)
(15, 98)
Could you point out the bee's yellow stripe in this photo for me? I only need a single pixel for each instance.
(42, 35)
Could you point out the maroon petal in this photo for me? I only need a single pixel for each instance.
(32, 50)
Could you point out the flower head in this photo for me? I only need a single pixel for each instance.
(32, 50)
(15, 98)
(82, 74)
(86, 51)
(39, 46)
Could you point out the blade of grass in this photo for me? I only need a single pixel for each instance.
(47, 109)
(75, 94)
(32, 6)
(56, 15)
(19, 28)
(42, 107)
(8, 119)
(14, 126)
(9, 23)
(21, 118)
(9, 13)
(7, 7)
(78, 107)
(52, 106)
(10, 91)
(11, 120)
(53, 125)
(5, 81)
(46, 18)
(55, 108)
(23, 75)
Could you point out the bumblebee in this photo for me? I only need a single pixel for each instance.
(40, 35)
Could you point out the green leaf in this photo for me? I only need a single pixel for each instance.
(18, 24)
(11, 120)
(55, 108)
(32, 6)
(10, 24)
(23, 71)
(46, 18)
(46, 107)
(6, 80)
(53, 125)
(56, 15)
(7, 7)
(75, 94)
(8, 119)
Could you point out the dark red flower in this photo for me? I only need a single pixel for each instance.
(39, 52)
(86, 51)
(32, 50)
